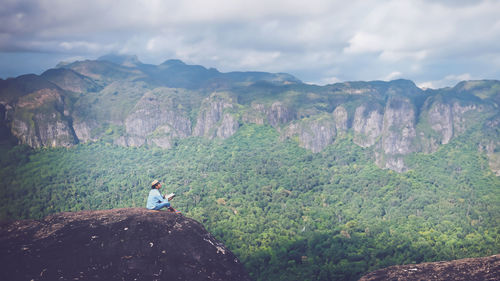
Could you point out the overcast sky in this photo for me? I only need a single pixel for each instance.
(434, 43)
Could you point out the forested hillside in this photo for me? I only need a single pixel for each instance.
(286, 212)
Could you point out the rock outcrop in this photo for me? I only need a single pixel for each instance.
(215, 118)
(341, 118)
(150, 115)
(119, 244)
(472, 269)
(367, 126)
(313, 134)
(279, 114)
(275, 114)
(398, 133)
(39, 120)
(491, 144)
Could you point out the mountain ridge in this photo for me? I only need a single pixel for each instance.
(139, 104)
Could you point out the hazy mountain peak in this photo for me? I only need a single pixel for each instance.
(403, 83)
(173, 62)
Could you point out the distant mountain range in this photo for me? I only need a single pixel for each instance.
(120, 100)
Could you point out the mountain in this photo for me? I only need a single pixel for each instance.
(473, 269)
(119, 244)
(70, 80)
(172, 73)
(36, 112)
(133, 104)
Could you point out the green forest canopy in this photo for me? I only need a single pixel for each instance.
(287, 213)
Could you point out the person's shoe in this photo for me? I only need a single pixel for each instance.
(173, 210)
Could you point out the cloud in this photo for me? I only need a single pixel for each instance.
(393, 75)
(327, 81)
(314, 40)
(450, 80)
(83, 45)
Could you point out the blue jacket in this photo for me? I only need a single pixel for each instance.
(154, 199)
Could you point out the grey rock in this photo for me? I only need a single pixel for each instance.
(151, 115)
(367, 126)
(313, 134)
(276, 114)
(83, 130)
(399, 126)
(441, 120)
(398, 134)
(213, 121)
(229, 125)
(256, 115)
(38, 122)
(341, 118)
(279, 114)
(459, 118)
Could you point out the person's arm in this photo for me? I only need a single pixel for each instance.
(169, 196)
(160, 198)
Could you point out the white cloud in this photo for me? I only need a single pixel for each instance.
(395, 56)
(327, 81)
(80, 45)
(393, 75)
(448, 81)
(363, 42)
(255, 59)
(360, 39)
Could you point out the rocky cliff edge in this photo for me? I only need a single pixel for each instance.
(119, 244)
(472, 269)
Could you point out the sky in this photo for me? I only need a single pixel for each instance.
(435, 43)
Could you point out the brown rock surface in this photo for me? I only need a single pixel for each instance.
(119, 244)
(472, 269)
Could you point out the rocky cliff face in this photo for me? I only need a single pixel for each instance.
(275, 114)
(215, 119)
(127, 103)
(398, 133)
(367, 126)
(279, 114)
(473, 269)
(38, 120)
(491, 144)
(447, 119)
(313, 134)
(120, 244)
(150, 115)
(341, 118)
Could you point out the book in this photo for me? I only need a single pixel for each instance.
(170, 196)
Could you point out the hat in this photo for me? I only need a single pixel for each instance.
(153, 183)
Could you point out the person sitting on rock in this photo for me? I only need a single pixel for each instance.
(156, 201)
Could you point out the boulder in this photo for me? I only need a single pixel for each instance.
(118, 244)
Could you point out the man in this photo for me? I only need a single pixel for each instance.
(155, 200)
